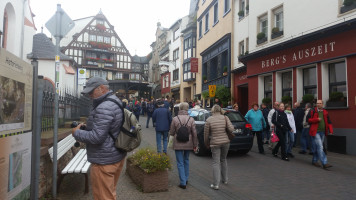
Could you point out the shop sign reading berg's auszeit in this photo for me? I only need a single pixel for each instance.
(299, 55)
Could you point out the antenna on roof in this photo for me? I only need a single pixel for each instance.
(42, 29)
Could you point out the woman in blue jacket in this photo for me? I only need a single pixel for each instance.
(258, 123)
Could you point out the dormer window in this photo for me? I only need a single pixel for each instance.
(99, 21)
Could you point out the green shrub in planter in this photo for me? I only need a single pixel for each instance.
(286, 99)
(267, 101)
(150, 161)
(204, 78)
(224, 94)
(225, 68)
(241, 13)
(261, 35)
(349, 2)
(275, 30)
(308, 98)
(205, 94)
(336, 96)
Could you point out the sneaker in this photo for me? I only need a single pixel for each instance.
(291, 155)
(302, 152)
(225, 182)
(285, 159)
(182, 186)
(326, 166)
(316, 164)
(215, 187)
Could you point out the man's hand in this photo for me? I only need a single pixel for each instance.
(195, 149)
(76, 128)
(319, 119)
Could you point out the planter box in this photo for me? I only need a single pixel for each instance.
(278, 34)
(260, 41)
(152, 182)
(336, 104)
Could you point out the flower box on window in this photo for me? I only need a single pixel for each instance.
(336, 99)
(101, 27)
(100, 45)
(276, 33)
(261, 38)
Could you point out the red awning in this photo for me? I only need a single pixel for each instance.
(69, 69)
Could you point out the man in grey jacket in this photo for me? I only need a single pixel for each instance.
(107, 161)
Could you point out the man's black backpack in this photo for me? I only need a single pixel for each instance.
(183, 132)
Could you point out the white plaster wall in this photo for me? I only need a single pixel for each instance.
(15, 28)
(300, 17)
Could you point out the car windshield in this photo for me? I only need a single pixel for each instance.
(235, 116)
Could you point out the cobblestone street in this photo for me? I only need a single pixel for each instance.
(252, 176)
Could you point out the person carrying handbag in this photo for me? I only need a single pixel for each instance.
(280, 121)
(215, 134)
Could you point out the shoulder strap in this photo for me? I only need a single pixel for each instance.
(187, 121)
(179, 121)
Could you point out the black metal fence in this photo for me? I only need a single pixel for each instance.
(70, 108)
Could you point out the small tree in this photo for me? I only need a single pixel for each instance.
(223, 94)
(336, 96)
(308, 98)
(205, 94)
(286, 99)
(267, 101)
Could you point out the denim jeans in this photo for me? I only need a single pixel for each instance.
(219, 154)
(148, 120)
(259, 135)
(281, 143)
(159, 135)
(289, 141)
(306, 141)
(182, 157)
(137, 117)
(319, 154)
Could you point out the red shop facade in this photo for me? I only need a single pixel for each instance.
(322, 64)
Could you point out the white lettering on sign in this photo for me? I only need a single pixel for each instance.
(300, 55)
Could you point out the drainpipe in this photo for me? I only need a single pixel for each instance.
(22, 29)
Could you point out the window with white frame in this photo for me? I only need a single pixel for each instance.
(175, 74)
(263, 24)
(167, 81)
(309, 82)
(100, 38)
(200, 28)
(268, 87)
(337, 82)
(92, 37)
(242, 8)
(176, 54)
(107, 40)
(176, 34)
(119, 75)
(137, 76)
(98, 21)
(206, 22)
(241, 48)
(227, 6)
(287, 81)
(216, 12)
(278, 19)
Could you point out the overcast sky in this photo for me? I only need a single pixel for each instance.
(135, 21)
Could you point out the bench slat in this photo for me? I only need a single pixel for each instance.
(86, 167)
(77, 161)
(63, 146)
(78, 169)
(70, 164)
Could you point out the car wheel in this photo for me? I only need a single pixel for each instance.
(200, 150)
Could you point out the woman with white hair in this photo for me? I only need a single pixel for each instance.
(215, 137)
(183, 148)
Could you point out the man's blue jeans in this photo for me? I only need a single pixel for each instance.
(289, 141)
(306, 141)
(319, 154)
(159, 135)
(266, 134)
(148, 120)
(182, 157)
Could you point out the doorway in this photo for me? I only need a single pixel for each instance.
(243, 98)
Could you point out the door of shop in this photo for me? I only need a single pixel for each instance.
(243, 98)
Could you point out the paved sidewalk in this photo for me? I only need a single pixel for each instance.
(73, 185)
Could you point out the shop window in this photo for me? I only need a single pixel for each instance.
(287, 81)
(268, 87)
(216, 13)
(175, 74)
(309, 82)
(337, 83)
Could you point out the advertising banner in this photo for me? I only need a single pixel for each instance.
(15, 126)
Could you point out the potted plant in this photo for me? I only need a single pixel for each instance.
(246, 52)
(276, 32)
(267, 101)
(149, 170)
(205, 79)
(261, 38)
(225, 71)
(286, 99)
(308, 98)
(336, 99)
(205, 94)
(223, 94)
(241, 14)
(347, 6)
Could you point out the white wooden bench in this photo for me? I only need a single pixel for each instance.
(78, 164)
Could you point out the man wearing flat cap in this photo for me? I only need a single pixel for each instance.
(106, 116)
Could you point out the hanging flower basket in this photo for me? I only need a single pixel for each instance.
(101, 27)
(100, 45)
